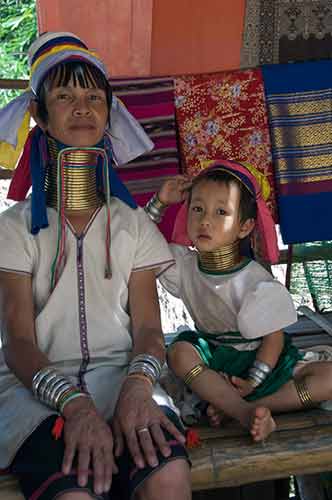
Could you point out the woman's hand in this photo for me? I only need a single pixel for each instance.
(90, 437)
(140, 421)
(174, 190)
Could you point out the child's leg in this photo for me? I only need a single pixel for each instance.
(312, 384)
(212, 387)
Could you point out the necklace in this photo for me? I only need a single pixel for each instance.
(222, 259)
(79, 186)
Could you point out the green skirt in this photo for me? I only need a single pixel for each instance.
(227, 359)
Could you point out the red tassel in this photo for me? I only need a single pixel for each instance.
(58, 428)
(193, 439)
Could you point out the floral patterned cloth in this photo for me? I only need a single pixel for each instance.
(223, 115)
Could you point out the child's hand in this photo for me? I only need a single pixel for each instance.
(242, 385)
(174, 190)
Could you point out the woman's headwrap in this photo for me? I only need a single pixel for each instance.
(258, 186)
(128, 138)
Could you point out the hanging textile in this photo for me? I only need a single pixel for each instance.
(299, 98)
(280, 31)
(151, 102)
(223, 115)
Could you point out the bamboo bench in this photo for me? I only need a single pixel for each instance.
(227, 457)
(301, 445)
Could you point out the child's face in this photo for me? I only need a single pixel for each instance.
(213, 217)
(77, 116)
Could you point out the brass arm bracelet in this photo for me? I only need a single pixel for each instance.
(193, 373)
(303, 393)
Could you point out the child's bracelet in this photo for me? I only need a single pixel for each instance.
(258, 372)
(155, 208)
(263, 367)
(253, 381)
(256, 375)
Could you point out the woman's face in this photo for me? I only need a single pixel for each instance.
(77, 116)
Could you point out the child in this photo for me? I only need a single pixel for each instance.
(238, 359)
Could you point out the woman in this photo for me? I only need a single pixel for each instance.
(80, 318)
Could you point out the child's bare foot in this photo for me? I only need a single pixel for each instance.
(262, 424)
(216, 417)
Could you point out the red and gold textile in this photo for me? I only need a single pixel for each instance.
(223, 115)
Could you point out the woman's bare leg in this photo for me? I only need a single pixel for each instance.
(158, 484)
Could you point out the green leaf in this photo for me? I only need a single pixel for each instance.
(18, 28)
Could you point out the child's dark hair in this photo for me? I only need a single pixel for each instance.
(83, 74)
(248, 205)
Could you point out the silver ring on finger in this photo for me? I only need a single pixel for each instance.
(140, 430)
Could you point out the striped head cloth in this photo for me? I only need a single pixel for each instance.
(128, 138)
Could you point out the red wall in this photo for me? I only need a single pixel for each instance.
(120, 30)
(152, 37)
(196, 36)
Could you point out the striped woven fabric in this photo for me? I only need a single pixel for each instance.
(151, 101)
(299, 98)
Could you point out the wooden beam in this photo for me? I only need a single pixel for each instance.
(9, 488)
(6, 174)
(314, 252)
(13, 84)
